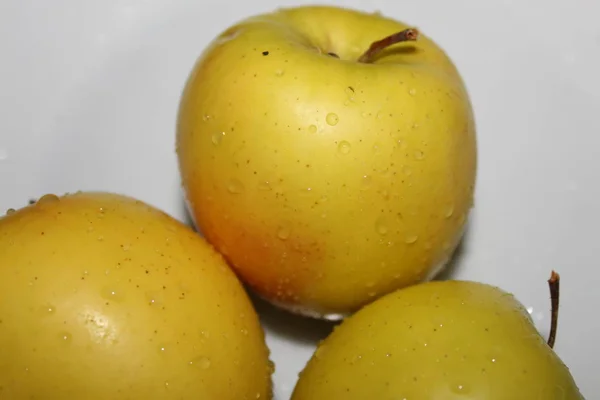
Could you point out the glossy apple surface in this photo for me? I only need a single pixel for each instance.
(105, 297)
(326, 182)
(439, 340)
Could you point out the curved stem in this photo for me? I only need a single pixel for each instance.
(407, 35)
(554, 285)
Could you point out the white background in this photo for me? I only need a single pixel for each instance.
(89, 92)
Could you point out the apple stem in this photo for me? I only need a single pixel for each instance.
(554, 284)
(407, 35)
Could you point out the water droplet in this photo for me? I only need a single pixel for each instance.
(332, 119)
(244, 331)
(283, 232)
(344, 147)
(264, 185)
(530, 310)
(154, 298)
(10, 211)
(3, 154)
(48, 199)
(279, 72)
(381, 226)
(235, 186)
(419, 155)
(200, 362)
(270, 367)
(366, 182)
(410, 239)
(350, 93)
(377, 148)
(111, 294)
(306, 191)
(100, 238)
(217, 138)
(370, 284)
(65, 337)
(415, 126)
(364, 114)
(406, 170)
(412, 91)
(459, 389)
(126, 247)
(206, 117)
(312, 129)
(449, 211)
(47, 309)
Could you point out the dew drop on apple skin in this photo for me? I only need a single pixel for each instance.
(47, 199)
(366, 182)
(459, 388)
(410, 239)
(10, 211)
(235, 186)
(65, 338)
(264, 186)
(344, 147)
(217, 138)
(312, 129)
(381, 226)
(200, 362)
(283, 233)
(332, 119)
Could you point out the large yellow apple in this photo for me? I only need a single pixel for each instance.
(327, 178)
(104, 297)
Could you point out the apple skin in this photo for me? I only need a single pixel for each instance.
(326, 182)
(105, 297)
(438, 340)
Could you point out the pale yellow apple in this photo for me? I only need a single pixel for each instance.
(326, 182)
(104, 297)
(452, 340)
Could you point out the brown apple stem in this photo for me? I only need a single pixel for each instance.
(407, 35)
(554, 284)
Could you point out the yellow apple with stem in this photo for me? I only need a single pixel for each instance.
(440, 340)
(329, 154)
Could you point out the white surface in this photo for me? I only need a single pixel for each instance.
(85, 84)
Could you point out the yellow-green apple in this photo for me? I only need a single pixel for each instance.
(438, 340)
(329, 154)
